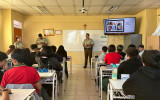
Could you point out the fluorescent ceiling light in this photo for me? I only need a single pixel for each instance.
(112, 9)
(44, 9)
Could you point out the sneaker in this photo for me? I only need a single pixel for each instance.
(84, 67)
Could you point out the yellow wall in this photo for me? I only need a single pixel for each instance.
(6, 29)
(33, 25)
(1, 41)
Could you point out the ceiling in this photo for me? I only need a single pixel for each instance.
(72, 7)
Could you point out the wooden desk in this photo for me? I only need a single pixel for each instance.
(20, 94)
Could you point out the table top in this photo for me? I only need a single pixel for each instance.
(46, 75)
(106, 68)
(117, 84)
(19, 94)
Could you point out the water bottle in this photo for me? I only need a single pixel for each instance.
(114, 72)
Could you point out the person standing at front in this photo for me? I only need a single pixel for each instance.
(18, 44)
(41, 41)
(88, 46)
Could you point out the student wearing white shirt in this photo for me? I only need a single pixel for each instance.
(104, 52)
(141, 50)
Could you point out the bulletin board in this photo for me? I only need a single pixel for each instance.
(73, 39)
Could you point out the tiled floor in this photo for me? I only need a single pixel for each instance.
(79, 85)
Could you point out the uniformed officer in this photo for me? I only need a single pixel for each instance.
(18, 43)
(88, 45)
(41, 41)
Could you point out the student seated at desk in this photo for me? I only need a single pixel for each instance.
(112, 57)
(3, 64)
(145, 82)
(8, 53)
(120, 51)
(34, 49)
(129, 46)
(132, 64)
(104, 52)
(21, 73)
(63, 53)
(5, 94)
(58, 57)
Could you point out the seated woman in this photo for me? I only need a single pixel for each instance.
(120, 51)
(34, 50)
(8, 53)
(112, 57)
(21, 73)
(62, 52)
(144, 83)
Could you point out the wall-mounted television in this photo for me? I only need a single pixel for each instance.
(119, 26)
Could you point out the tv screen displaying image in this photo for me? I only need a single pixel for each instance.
(115, 26)
(119, 26)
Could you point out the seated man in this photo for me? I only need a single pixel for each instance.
(144, 83)
(21, 73)
(112, 57)
(131, 65)
(120, 51)
(141, 50)
(34, 48)
(3, 64)
(104, 52)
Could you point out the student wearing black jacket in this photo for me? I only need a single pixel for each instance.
(132, 64)
(145, 82)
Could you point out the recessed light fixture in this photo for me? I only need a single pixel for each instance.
(44, 9)
(112, 9)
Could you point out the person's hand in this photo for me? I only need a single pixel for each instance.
(5, 67)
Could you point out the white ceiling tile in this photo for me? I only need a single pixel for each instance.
(16, 2)
(95, 10)
(27, 9)
(33, 2)
(132, 2)
(105, 9)
(68, 10)
(79, 3)
(49, 2)
(55, 10)
(2, 2)
(97, 2)
(65, 3)
(115, 2)
(148, 2)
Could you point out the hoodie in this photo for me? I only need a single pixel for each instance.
(144, 84)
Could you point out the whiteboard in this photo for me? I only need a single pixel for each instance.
(73, 39)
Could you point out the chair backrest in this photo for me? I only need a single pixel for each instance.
(23, 86)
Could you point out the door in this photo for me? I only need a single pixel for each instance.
(17, 32)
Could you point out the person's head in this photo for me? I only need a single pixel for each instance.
(141, 47)
(40, 36)
(34, 47)
(120, 48)
(151, 58)
(132, 53)
(87, 35)
(21, 56)
(60, 49)
(3, 58)
(47, 51)
(54, 48)
(11, 48)
(18, 39)
(111, 48)
(104, 49)
(131, 46)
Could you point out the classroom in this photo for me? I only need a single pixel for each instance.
(79, 49)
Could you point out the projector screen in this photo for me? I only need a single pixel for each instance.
(119, 26)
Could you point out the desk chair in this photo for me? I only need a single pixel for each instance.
(24, 86)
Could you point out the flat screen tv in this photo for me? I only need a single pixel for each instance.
(119, 26)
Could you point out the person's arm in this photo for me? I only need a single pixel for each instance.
(84, 44)
(106, 58)
(129, 87)
(120, 70)
(45, 42)
(5, 94)
(38, 85)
